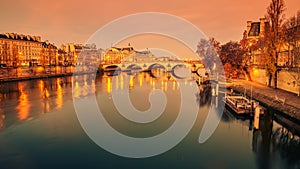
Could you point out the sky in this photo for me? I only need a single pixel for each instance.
(66, 21)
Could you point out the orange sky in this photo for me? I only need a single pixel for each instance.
(68, 21)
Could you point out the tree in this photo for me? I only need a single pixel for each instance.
(274, 37)
(208, 51)
(233, 54)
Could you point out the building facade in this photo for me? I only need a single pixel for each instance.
(79, 54)
(254, 32)
(292, 47)
(49, 54)
(287, 55)
(25, 50)
(116, 55)
(18, 49)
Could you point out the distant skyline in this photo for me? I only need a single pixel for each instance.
(68, 21)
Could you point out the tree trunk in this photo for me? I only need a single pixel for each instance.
(270, 80)
(275, 79)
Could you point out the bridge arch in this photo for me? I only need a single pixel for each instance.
(156, 65)
(181, 71)
(202, 72)
(112, 70)
(179, 65)
(157, 70)
(111, 67)
(134, 67)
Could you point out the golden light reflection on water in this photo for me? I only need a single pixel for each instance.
(174, 85)
(46, 106)
(76, 92)
(117, 82)
(162, 85)
(2, 118)
(86, 86)
(108, 85)
(59, 93)
(93, 86)
(83, 86)
(42, 86)
(153, 85)
(23, 107)
(141, 80)
(46, 93)
(122, 82)
(131, 82)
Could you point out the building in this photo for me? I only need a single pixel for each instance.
(25, 50)
(62, 56)
(292, 47)
(49, 54)
(254, 32)
(19, 50)
(79, 54)
(287, 55)
(90, 55)
(72, 52)
(116, 55)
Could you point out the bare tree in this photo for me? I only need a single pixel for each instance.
(208, 51)
(274, 37)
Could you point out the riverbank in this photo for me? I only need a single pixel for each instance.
(22, 78)
(43, 76)
(285, 103)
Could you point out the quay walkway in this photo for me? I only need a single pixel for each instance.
(27, 74)
(22, 78)
(283, 102)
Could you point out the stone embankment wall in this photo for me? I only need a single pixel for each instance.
(286, 81)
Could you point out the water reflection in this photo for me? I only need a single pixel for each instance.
(24, 105)
(261, 141)
(273, 145)
(21, 101)
(108, 84)
(273, 139)
(118, 81)
(59, 94)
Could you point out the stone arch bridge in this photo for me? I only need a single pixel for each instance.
(144, 66)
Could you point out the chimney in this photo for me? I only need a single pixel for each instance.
(38, 38)
(248, 26)
(262, 26)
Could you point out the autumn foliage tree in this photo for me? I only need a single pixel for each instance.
(232, 56)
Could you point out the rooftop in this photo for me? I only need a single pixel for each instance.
(15, 36)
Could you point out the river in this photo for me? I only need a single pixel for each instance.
(40, 129)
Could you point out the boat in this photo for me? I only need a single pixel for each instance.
(239, 105)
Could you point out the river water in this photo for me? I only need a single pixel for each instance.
(40, 129)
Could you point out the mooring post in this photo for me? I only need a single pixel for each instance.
(256, 116)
